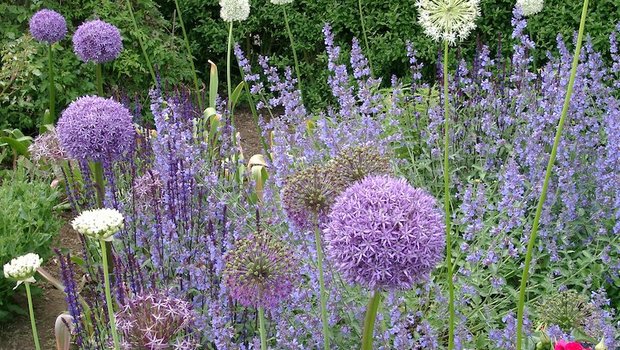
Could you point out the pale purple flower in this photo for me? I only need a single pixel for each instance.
(94, 128)
(48, 26)
(97, 41)
(384, 234)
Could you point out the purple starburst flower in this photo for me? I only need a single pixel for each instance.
(48, 26)
(97, 41)
(261, 271)
(46, 148)
(384, 234)
(157, 321)
(94, 128)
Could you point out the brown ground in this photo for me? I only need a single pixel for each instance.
(17, 335)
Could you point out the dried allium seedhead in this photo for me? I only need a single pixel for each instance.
(384, 234)
(46, 148)
(147, 190)
(308, 194)
(355, 164)
(261, 271)
(157, 321)
(567, 309)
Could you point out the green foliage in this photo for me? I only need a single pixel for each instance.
(28, 223)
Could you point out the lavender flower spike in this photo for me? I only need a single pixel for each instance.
(385, 234)
(48, 26)
(97, 41)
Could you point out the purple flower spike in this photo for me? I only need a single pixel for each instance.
(93, 128)
(261, 271)
(48, 26)
(97, 41)
(385, 234)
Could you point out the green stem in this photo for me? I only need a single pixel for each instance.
(33, 323)
(99, 183)
(369, 321)
(108, 295)
(359, 5)
(323, 295)
(228, 79)
(190, 57)
(146, 57)
(290, 36)
(99, 76)
(263, 333)
(446, 197)
(543, 195)
(51, 118)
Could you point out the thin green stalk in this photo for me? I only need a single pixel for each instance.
(263, 333)
(446, 197)
(228, 79)
(108, 295)
(543, 195)
(99, 76)
(189, 55)
(51, 118)
(99, 183)
(290, 36)
(323, 295)
(359, 5)
(146, 57)
(369, 321)
(33, 323)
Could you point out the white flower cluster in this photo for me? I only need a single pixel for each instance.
(234, 10)
(99, 223)
(281, 2)
(448, 20)
(530, 7)
(23, 268)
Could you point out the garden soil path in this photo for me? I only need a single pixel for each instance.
(50, 303)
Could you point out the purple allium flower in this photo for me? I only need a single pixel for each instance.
(157, 321)
(48, 26)
(308, 194)
(147, 190)
(97, 41)
(261, 271)
(98, 129)
(384, 233)
(46, 147)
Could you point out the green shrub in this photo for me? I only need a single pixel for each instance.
(28, 223)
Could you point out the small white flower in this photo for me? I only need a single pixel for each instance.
(447, 20)
(234, 10)
(281, 2)
(23, 268)
(530, 7)
(99, 223)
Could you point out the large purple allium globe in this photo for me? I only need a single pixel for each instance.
(384, 234)
(97, 129)
(48, 26)
(261, 271)
(97, 41)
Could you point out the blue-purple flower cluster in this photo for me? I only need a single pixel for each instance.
(48, 26)
(97, 41)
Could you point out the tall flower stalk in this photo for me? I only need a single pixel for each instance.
(543, 194)
(290, 37)
(231, 11)
(322, 290)
(261, 326)
(446, 21)
(363, 23)
(146, 56)
(190, 57)
(108, 295)
(51, 118)
(369, 320)
(33, 322)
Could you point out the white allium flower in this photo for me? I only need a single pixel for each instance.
(281, 2)
(447, 20)
(530, 7)
(99, 223)
(234, 10)
(23, 268)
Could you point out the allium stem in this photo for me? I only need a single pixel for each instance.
(146, 57)
(228, 80)
(369, 321)
(323, 295)
(261, 325)
(33, 323)
(108, 295)
(290, 36)
(99, 183)
(543, 194)
(359, 5)
(51, 117)
(446, 197)
(99, 76)
(190, 57)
